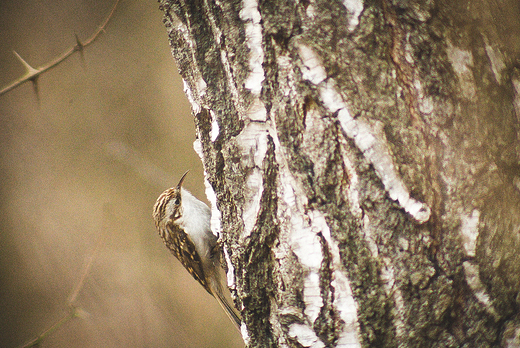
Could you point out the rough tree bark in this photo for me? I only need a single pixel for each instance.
(363, 163)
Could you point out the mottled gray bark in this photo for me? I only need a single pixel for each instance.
(363, 162)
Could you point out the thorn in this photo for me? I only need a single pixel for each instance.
(36, 90)
(30, 70)
(79, 47)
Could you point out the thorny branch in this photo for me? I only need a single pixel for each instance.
(32, 74)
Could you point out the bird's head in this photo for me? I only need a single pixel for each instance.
(169, 203)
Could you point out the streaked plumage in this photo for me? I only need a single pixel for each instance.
(183, 223)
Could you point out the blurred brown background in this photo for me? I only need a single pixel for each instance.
(107, 139)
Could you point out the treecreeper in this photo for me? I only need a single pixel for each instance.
(183, 223)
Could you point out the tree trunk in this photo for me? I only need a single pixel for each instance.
(362, 159)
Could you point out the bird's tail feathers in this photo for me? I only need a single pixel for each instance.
(230, 311)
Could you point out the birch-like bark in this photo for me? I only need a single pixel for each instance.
(362, 159)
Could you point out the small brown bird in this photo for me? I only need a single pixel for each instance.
(183, 223)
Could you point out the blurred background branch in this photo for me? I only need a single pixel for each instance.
(73, 310)
(72, 313)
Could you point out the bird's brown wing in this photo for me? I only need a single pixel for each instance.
(181, 245)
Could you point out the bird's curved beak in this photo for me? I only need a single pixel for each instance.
(182, 179)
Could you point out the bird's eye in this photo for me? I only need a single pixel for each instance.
(177, 201)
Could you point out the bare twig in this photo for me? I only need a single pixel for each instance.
(74, 311)
(32, 74)
(100, 241)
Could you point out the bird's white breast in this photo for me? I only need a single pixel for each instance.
(195, 221)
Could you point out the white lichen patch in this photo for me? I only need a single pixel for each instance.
(257, 111)
(215, 129)
(471, 271)
(245, 334)
(426, 105)
(354, 9)
(312, 296)
(215, 224)
(201, 86)
(469, 231)
(195, 107)
(312, 70)
(253, 145)
(230, 276)
(304, 226)
(368, 139)
(425, 102)
(305, 336)
(408, 50)
(253, 192)
(344, 301)
(305, 244)
(253, 138)
(375, 149)
(462, 62)
(496, 59)
(253, 28)
(315, 128)
(311, 10)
